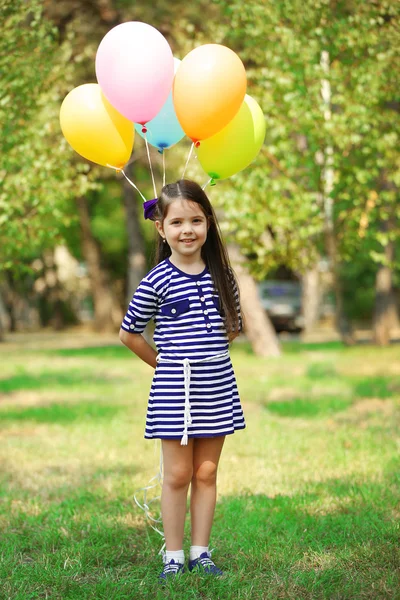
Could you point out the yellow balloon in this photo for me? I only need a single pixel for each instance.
(208, 90)
(236, 146)
(94, 128)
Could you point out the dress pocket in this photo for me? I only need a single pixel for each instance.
(174, 309)
(217, 303)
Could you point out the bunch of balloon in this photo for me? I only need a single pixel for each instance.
(226, 125)
(135, 71)
(142, 87)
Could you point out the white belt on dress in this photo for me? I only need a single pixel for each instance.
(186, 362)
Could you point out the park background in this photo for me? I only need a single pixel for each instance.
(308, 494)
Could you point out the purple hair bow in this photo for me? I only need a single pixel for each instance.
(149, 207)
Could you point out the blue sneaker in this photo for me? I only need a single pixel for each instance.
(171, 569)
(205, 565)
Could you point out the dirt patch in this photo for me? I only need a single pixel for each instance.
(26, 398)
(282, 394)
(372, 405)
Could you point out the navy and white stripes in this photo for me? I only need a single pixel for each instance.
(189, 325)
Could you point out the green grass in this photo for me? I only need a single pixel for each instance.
(308, 503)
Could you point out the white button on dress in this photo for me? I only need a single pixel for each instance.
(173, 310)
(131, 327)
(202, 298)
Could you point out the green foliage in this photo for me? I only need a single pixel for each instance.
(38, 178)
(281, 44)
(274, 209)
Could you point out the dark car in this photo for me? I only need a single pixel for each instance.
(282, 301)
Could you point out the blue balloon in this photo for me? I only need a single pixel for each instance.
(164, 130)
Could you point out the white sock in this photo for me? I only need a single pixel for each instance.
(196, 551)
(177, 555)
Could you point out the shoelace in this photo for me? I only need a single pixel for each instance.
(206, 562)
(171, 567)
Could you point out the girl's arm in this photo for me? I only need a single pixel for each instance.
(138, 345)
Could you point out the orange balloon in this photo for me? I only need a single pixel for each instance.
(209, 88)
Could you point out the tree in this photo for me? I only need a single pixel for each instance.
(38, 177)
(281, 204)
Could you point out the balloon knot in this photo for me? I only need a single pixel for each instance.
(197, 144)
(144, 129)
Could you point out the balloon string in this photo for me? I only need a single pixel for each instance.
(203, 187)
(127, 178)
(188, 158)
(146, 503)
(163, 165)
(151, 167)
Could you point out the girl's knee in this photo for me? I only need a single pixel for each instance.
(178, 476)
(205, 473)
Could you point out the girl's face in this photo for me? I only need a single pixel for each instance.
(185, 229)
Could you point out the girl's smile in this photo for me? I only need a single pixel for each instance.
(185, 229)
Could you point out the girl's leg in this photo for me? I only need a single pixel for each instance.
(206, 453)
(178, 472)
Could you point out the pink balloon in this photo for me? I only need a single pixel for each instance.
(135, 70)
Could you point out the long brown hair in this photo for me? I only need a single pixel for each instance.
(213, 252)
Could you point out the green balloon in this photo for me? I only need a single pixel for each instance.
(233, 148)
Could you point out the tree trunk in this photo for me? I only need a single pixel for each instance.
(2, 328)
(105, 313)
(52, 293)
(393, 314)
(257, 325)
(341, 322)
(311, 299)
(385, 306)
(136, 251)
(10, 300)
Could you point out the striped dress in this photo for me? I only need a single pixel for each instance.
(189, 325)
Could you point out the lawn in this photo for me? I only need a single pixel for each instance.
(308, 502)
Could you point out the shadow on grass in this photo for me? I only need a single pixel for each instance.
(309, 407)
(339, 539)
(376, 387)
(297, 347)
(353, 389)
(321, 370)
(117, 351)
(293, 347)
(27, 381)
(63, 413)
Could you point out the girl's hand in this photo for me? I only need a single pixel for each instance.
(138, 345)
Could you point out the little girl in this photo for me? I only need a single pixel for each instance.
(194, 403)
